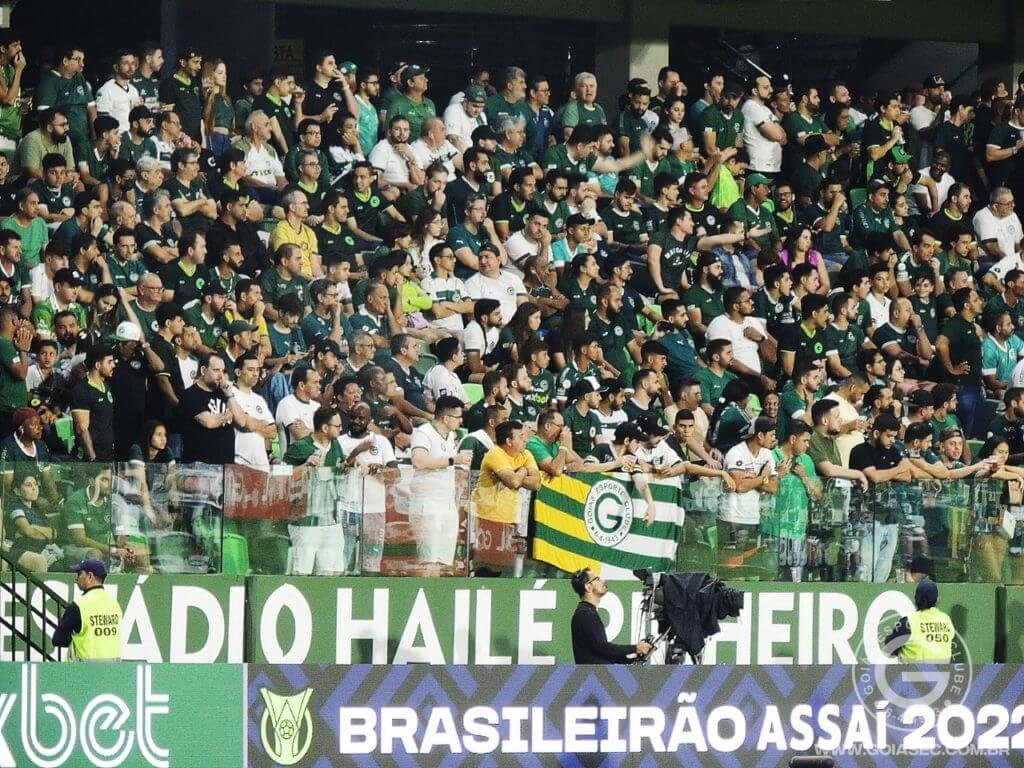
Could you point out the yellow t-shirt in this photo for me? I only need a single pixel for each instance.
(494, 500)
(305, 238)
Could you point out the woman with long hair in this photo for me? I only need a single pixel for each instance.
(797, 249)
(218, 113)
(996, 527)
(673, 117)
(730, 418)
(524, 325)
(28, 527)
(575, 322)
(582, 277)
(427, 231)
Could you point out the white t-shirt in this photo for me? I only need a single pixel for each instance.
(921, 117)
(879, 309)
(431, 484)
(425, 155)
(1007, 230)
(113, 100)
(743, 349)
(441, 381)
(943, 185)
(610, 422)
(384, 158)
(850, 440)
(745, 508)
(262, 164)
(42, 285)
(660, 456)
(290, 410)
(458, 123)
(765, 154)
(251, 447)
(519, 248)
(505, 289)
(1016, 378)
(474, 340)
(449, 289)
(1004, 265)
(361, 492)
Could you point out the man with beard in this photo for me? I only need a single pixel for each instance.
(824, 451)
(1009, 425)
(50, 137)
(722, 124)
(745, 333)
(755, 215)
(364, 498)
(495, 386)
(606, 324)
(71, 341)
(802, 123)
(65, 87)
(704, 299)
(183, 92)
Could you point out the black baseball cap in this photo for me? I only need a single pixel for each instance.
(629, 431)
(651, 425)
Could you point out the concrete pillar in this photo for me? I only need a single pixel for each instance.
(638, 47)
(239, 31)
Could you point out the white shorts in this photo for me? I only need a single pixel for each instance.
(317, 550)
(435, 525)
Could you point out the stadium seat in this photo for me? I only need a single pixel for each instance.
(171, 551)
(270, 554)
(65, 428)
(475, 392)
(234, 555)
(857, 197)
(426, 362)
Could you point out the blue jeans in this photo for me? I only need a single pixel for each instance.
(835, 259)
(970, 409)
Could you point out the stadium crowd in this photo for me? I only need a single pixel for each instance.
(770, 284)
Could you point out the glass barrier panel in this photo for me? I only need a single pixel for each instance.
(258, 508)
(56, 515)
(499, 520)
(188, 538)
(425, 524)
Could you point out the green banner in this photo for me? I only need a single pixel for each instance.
(495, 621)
(183, 619)
(113, 715)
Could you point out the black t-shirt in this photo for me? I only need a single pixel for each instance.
(128, 385)
(868, 455)
(100, 406)
(212, 446)
(246, 236)
(318, 99)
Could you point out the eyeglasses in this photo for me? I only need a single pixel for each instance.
(336, 424)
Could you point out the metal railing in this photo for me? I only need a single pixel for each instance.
(28, 621)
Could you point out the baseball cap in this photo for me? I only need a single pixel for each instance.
(327, 345)
(650, 425)
(93, 566)
(899, 155)
(140, 112)
(348, 68)
(127, 331)
(753, 179)
(395, 67)
(585, 386)
(476, 94)
(814, 144)
(189, 52)
(214, 288)
(706, 260)
(629, 431)
(577, 220)
(934, 81)
(926, 595)
(239, 326)
(483, 133)
(68, 277)
(413, 70)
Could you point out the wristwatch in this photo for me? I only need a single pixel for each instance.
(451, 461)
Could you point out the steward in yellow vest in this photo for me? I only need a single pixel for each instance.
(926, 635)
(91, 625)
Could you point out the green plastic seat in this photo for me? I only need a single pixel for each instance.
(426, 362)
(857, 197)
(65, 428)
(270, 554)
(475, 392)
(234, 555)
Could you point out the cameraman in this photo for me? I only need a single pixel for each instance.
(589, 642)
